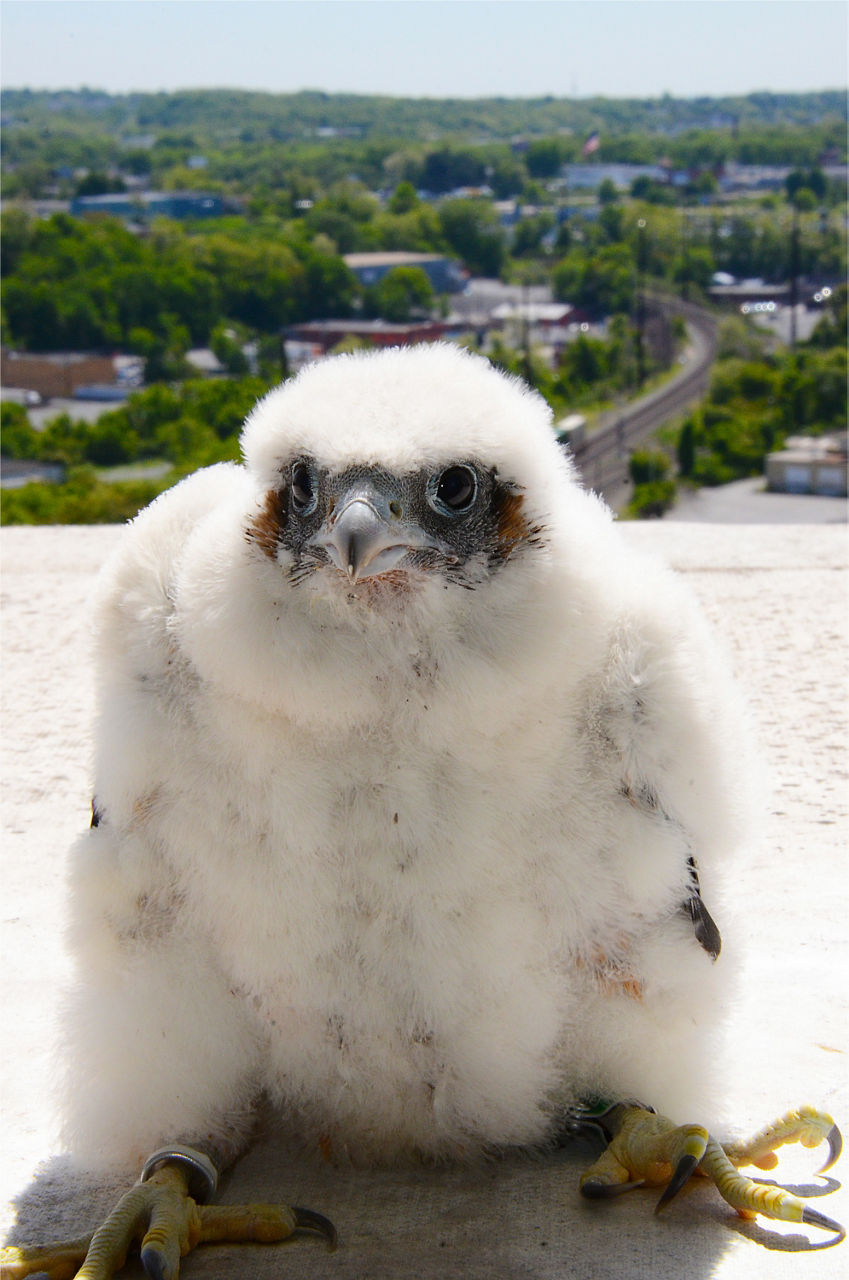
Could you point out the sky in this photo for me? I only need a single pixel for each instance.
(428, 48)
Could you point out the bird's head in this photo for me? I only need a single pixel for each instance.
(378, 472)
(405, 534)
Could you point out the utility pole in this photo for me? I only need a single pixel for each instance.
(640, 301)
(685, 256)
(526, 332)
(794, 276)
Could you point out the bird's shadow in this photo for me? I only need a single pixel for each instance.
(62, 1204)
(807, 1190)
(513, 1215)
(762, 1233)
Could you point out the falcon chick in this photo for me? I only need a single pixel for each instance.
(414, 789)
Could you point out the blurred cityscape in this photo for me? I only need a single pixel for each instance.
(668, 274)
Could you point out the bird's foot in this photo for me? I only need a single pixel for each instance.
(645, 1149)
(162, 1215)
(806, 1126)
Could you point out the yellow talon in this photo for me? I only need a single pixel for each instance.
(166, 1220)
(57, 1262)
(806, 1126)
(648, 1149)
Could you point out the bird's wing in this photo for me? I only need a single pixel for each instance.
(665, 736)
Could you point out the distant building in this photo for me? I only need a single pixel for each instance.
(748, 292)
(444, 274)
(543, 316)
(810, 464)
(141, 206)
(205, 362)
(16, 472)
(473, 312)
(589, 177)
(57, 373)
(752, 178)
(548, 324)
(318, 337)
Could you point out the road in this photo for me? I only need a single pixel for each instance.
(603, 459)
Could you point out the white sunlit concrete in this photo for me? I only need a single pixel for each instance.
(778, 599)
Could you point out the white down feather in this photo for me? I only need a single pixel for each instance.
(388, 862)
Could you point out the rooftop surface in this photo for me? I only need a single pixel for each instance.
(777, 596)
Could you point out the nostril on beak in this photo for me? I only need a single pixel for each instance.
(395, 508)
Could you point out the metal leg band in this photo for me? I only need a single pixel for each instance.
(202, 1174)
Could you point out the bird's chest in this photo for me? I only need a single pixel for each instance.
(353, 862)
(375, 908)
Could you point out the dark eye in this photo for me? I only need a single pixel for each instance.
(304, 488)
(454, 490)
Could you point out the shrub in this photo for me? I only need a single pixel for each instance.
(651, 500)
(19, 439)
(81, 500)
(648, 466)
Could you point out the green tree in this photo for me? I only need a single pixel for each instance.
(584, 362)
(654, 489)
(696, 267)
(529, 233)
(543, 158)
(404, 198)
(611, 223)
(602, 283)
(805, 200)
(228, 350)
(506, 177)
(327, 287)
(608, 192)
(686, 448)
(813, 180)
(109, 444)
(400, 294)
(96, 184)
(417, 231)
(15, 234)
(646, 465)
(447, 168)
(834, 324)
(18, 439)
(652, 191)
(473, 232)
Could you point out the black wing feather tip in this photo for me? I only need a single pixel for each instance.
(704, 926)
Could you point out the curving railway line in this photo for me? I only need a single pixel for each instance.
(602, 459)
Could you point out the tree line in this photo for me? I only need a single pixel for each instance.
(255, 143)
(94, 284)
(758, 396)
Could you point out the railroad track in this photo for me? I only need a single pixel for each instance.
(602, 460)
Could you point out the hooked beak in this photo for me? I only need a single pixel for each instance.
(362, 542)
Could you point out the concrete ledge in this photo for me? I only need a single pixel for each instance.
(778, 597)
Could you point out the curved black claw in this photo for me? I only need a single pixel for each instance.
(156, 1265)
(683, 1172)
(309, 1220)
(595, 1189)
(816, 1219)
(835, 1148)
